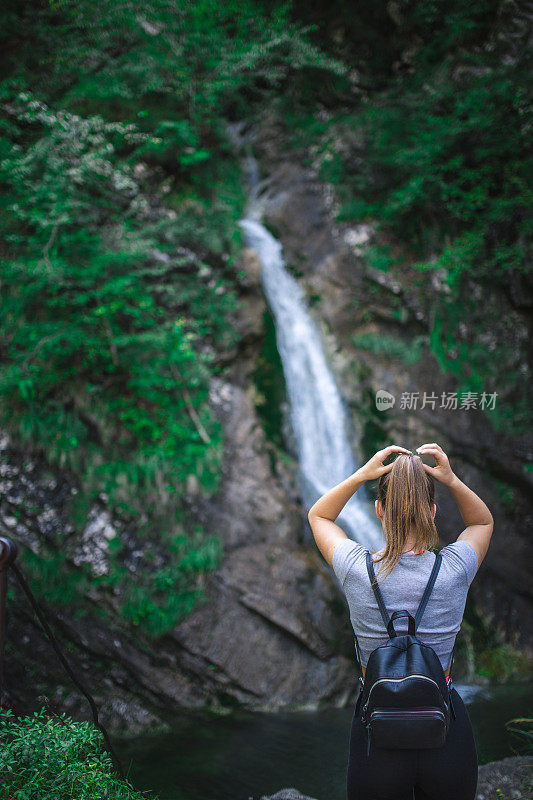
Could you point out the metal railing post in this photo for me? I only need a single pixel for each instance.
(8, 553)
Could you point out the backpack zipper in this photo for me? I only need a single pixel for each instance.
(384, 712)
(395, 680)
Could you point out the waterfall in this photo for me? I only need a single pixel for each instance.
(317, 413)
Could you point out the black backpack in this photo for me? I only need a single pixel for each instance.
(405, 698)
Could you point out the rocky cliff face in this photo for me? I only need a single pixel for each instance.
(275, 629)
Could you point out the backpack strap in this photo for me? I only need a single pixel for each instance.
(377, 591)
(428, 589)
(425, 596)
(358, 651)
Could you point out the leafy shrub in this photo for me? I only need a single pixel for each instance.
(44, 758)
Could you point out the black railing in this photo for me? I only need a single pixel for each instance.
(8, 554)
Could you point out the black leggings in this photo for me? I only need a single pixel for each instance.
(439, 773)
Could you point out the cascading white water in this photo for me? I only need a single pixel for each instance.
(317, 413)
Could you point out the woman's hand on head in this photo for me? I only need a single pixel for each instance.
(375, 468)
(442, 470)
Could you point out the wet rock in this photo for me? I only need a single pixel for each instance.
(288, 794)
(511, 778)
(94, 541)
(268, 632)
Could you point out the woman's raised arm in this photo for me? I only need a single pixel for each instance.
(476, 515)
(327, 508)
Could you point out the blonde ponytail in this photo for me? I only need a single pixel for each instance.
(406, 494)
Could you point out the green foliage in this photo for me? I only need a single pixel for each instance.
(379, 257)
(506, 494)
(98, 362)
(120, 196)
(498, 661)
(452, 166)
(502, 663)
(406, 352)
(181, 70)
(269, 382)
(439, 158)
(108, 350)
(523, 727)
(484, 357)
(157, 600)
(53, 579)
(44, 757)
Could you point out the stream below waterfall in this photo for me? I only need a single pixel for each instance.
(248, 755)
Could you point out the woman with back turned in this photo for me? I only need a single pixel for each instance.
(406, 508)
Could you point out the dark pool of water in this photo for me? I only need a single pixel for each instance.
(249, 755)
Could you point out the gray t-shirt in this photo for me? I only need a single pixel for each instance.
(402, 590)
